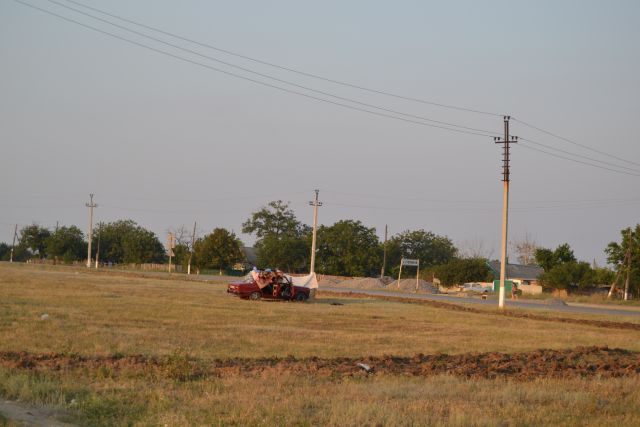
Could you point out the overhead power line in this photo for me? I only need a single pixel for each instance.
(270, 77)
(200, 64)
(575, 143)
(383, 112)
(477, 201)
(579, 155)
(281, 67)
(577, 161)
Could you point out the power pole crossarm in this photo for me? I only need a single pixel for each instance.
(505, 204)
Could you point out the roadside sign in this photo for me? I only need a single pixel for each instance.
(410, 262)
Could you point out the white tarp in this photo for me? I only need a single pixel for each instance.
(310, 281)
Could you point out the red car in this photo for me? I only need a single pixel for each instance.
(282, 289)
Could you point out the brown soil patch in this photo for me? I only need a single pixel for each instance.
(599, 362)
(520, 315)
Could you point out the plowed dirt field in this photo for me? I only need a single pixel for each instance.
(579, 362)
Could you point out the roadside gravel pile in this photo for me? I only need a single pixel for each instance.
(410, 285)
(328, 281)
(362, 283)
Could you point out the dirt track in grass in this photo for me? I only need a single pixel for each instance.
(579, 362)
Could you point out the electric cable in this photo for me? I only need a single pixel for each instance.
(271, 64)
(244, 77)
(574, 142)
(267, 76)
(577, 155)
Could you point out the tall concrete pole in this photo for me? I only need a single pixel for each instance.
(626, 281)
(315, 203)
(13, 245)
(384, 252)
(193, 242)
(503, 245)
(98, 248)
(170, 244)
(505, 206)
(90, 205)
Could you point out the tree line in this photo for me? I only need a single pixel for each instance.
(345, 248)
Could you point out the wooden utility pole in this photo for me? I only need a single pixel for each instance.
(505, 204)
(13, 245)
(316, 204)
(384, 252)
(193, 242)
(90, 205)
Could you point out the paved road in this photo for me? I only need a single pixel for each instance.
(529, 305)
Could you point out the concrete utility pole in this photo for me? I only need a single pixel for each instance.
(13, 245)
(98, 248)
(505, 204)
(193, 242)
(55, 258)
(90, 205)
(384, 252)
(171, 246)
(316, 204)
(626, 281)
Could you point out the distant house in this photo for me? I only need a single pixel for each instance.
(526, 277)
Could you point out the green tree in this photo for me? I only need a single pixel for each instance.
(286, 252)
(67, 244)
(283, 241)
(426, 246)
(33, 238)
(181, 254)
(603, 276)
(616, 256)
(458, 271)
(275, 219)
(544, 258)
(5, 251)
(566, 274)
(348, 248)
(221, 249)
(564, 254)
(548, 259)
(182, 249)
(124, 241)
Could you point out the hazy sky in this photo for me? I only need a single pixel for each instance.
(165, 142)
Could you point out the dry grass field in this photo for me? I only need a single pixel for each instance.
(116, 349)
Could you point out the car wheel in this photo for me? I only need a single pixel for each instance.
(255, 296)
(301, 297)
